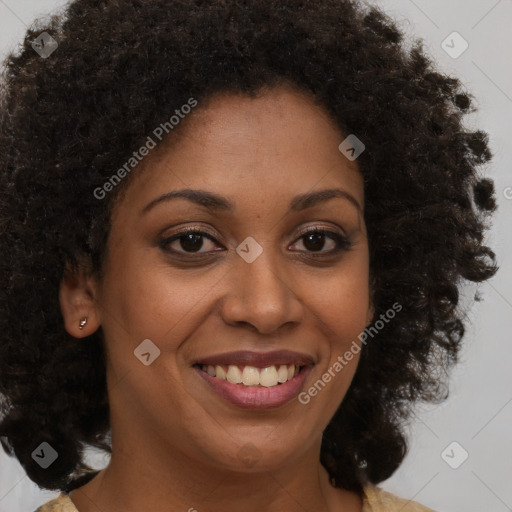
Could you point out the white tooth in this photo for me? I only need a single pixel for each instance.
(234, 374)
(211, 370)
(282, 374)
(291, 371)
(220, 373)
(268, 377)
(251, 376)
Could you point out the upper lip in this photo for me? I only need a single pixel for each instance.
(257, 359)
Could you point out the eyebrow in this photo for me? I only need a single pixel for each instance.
(216, 202)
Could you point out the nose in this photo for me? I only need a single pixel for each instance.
(262, 295)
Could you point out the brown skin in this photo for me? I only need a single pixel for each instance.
(176, 443)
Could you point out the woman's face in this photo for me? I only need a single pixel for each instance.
(216, 294)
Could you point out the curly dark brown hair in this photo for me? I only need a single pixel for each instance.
(70, 120)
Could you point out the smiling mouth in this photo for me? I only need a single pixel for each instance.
(252, 376)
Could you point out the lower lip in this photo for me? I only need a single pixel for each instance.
(256, 397)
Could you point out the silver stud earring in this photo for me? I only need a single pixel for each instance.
(83, 321)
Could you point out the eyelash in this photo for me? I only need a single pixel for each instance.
(343, 243)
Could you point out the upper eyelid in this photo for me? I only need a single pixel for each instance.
(201, 230)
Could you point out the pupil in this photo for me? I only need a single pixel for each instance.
(317, 241)
(189, 242)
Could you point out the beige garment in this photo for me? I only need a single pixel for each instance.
(375, 500)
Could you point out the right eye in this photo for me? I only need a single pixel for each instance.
(191, 240)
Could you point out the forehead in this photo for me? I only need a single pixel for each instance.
(277, 145)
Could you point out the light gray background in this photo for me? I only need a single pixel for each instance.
(478, 413)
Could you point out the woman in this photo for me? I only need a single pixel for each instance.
(234, 236)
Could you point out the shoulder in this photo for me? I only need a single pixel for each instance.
(375, 500)
(378, 500)
(60, 504)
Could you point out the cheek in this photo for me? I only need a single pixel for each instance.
(341, 301)
(145, 298)
(340, 305)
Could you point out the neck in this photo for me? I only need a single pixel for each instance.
(133, 481)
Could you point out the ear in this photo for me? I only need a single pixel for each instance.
(78, 296)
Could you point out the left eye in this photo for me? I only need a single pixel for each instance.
(314, 240)
(191, 241)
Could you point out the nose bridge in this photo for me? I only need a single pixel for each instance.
(259, 292)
